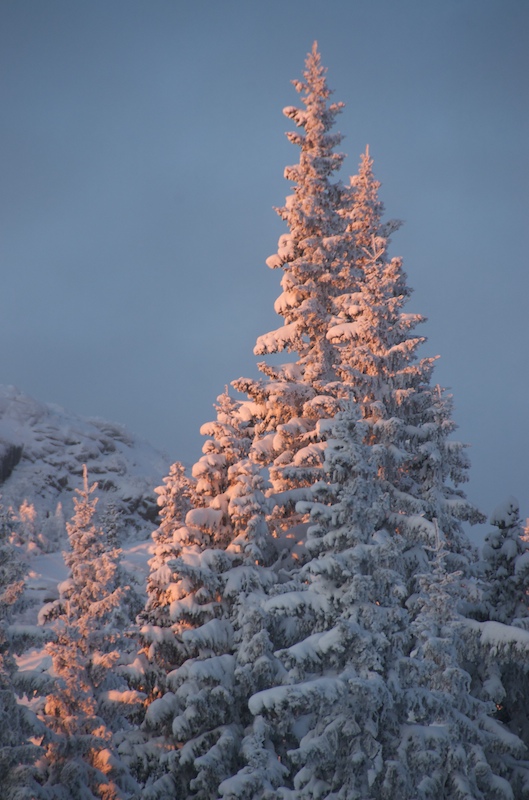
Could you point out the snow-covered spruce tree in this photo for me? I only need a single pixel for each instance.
(17, 724)
(193, 515)
(406, 424)
(342, 303)
(112, 522)
(506, 567)
(89, 698)
(419, 465)
(207, 640)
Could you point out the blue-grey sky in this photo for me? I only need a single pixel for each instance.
(143, 150)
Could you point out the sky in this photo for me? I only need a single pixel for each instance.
(143, 152)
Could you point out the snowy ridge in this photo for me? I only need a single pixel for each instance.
(42, 452)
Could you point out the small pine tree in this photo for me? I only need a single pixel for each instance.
(54, 529)
(112, 522)
(81, 763)
(27, 520)
(212, 552)
(193, 515)
(506, 567)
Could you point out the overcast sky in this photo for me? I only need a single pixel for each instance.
(143, 150)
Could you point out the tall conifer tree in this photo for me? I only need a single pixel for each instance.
(296, 667)
(342, 625)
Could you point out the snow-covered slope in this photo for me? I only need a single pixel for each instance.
(42, 452)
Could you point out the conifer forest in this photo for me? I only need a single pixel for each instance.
(315, 623)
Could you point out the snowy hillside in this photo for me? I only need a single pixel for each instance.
(42, 452)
